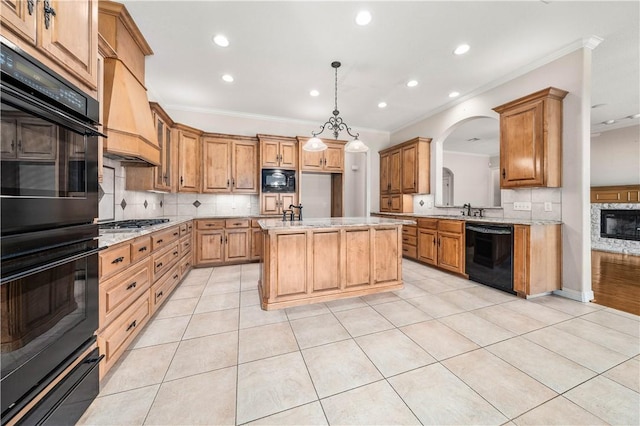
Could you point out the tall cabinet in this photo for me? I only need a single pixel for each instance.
(531, 140)
(188, 170)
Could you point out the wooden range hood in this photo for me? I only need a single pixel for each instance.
(127, 118)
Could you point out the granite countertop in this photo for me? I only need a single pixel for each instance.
(506, 220)
(331, 222)
(110, 237)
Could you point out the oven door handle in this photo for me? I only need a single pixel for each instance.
(90, 131)
(490, 230)
(50, 265)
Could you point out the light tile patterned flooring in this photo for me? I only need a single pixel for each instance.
(441, 351)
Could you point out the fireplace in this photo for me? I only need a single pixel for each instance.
(620, 224)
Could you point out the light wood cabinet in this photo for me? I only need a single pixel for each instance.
(330, 160)
(278, 152)
(220, 241)
(416, 155)
(441, 243)
(396, 203)
(66, 41)
(531, 140)
(537, 259)
(136, 277)
(188, 178)
(229, 164)
(391, 171)
(410, 241)
(157, 178)
(312, 265)
(274, 203)
(615, 194)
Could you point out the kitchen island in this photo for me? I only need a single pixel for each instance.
(318, 260)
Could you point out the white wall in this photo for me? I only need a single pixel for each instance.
(471, 178)
(571, 72)
(356, 188)
(616, 157)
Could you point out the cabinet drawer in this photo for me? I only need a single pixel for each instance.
(117, 293)
(453, 226)
(236, 223)
(183, 229)
(428, 223)
(140, 248)
(185, 264)
(115, 338)
(164, 260)
(410, 251)
(409, 231)
(185, 244)
(114, 259)
(161, 290)
(409, 241)
(210, 224)
(163, 238)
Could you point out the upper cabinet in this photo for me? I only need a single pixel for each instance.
(278, 152)
(615, 194)
(390, 171)
(188, 173)
(331, 160)
(229, 164)
(531, 140)
(62, 34)
(156, 178)
(416, 155)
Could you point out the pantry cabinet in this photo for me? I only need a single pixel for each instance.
(188, 173)
(531, 140)
(62, 34)
(278, 152)
(229, 164)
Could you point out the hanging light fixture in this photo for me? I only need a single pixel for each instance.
(336, 125)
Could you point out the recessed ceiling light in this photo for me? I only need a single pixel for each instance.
(221, 40)
(382, 105)
(633, 116)
(314, 93)
(462, 49)
(454, 94)
(228, 78)
(609, 122)
(412, 83)
(597, 106)
(363, 17)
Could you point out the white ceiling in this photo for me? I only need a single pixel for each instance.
(279, 51)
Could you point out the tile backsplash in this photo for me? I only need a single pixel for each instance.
(117, 203)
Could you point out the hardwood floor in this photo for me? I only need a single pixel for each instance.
(615, 280)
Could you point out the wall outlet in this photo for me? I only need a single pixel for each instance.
(548, 206)
(522, 205)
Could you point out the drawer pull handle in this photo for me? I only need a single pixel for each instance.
(117, 260)
(160, 241)
(159, 265)
(132, 325)
(175, 253)
(211, 224)
(175, 277)
(159, 295)
(175, 233)
(186, 244)
(141, 249)
(132, 285)
(237, 224)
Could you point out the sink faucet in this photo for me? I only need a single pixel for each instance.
(299, 208)
(284, 215)
(468, 207)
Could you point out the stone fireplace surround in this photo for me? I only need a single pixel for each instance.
(609, 244)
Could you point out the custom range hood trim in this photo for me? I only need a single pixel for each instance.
(127, 117)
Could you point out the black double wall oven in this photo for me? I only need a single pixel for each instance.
(48, 243)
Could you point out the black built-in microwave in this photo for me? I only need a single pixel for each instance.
(276, 180)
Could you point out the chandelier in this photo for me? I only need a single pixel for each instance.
(335, 124)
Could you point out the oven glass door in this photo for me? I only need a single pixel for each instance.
(48, 170)
(48, 303)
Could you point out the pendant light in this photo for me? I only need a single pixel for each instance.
(336, 125)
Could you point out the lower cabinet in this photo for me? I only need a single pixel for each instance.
(135, 279)
(537, 257)
(227, 241)
(410, 241)
(441, 243)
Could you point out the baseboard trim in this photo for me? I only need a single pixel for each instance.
(580, 296)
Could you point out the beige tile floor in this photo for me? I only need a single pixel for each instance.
(441, 351)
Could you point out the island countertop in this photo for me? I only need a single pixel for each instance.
(331, 222)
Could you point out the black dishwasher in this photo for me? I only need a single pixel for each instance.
(489, 255)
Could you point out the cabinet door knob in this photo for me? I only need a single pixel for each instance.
(504, 174)
(181, 181)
